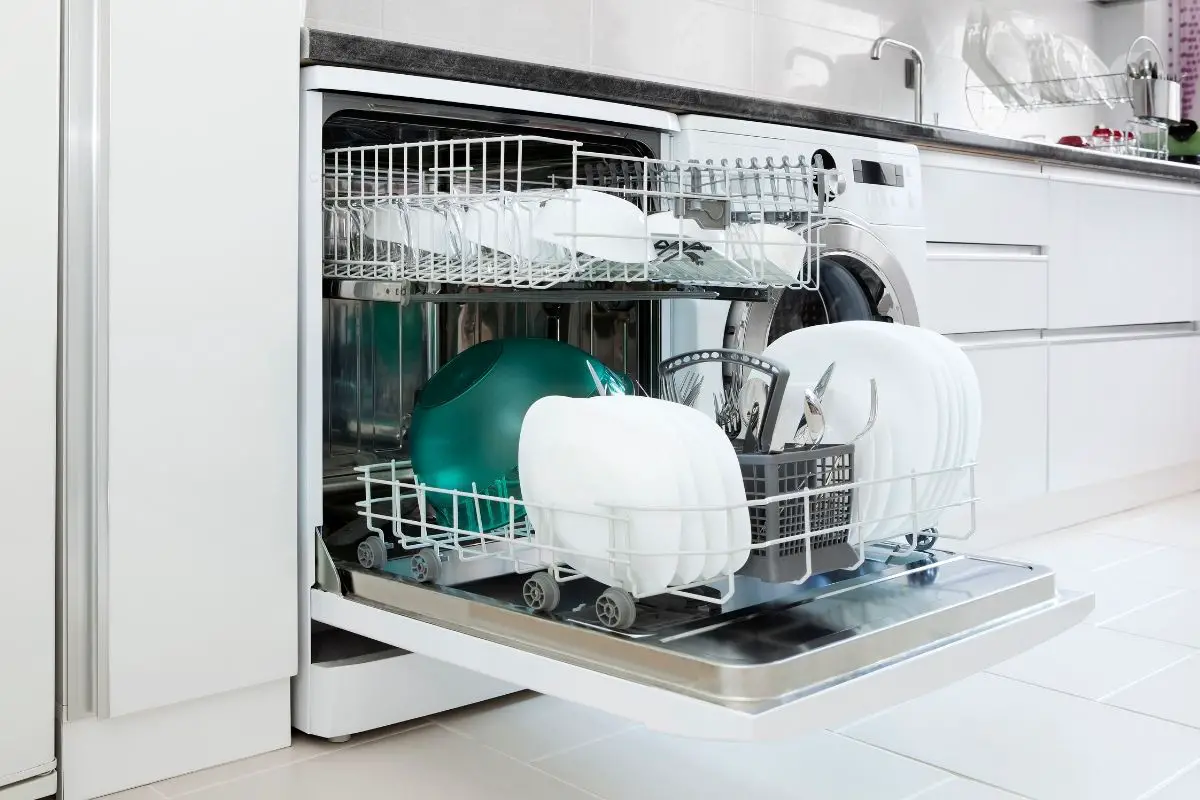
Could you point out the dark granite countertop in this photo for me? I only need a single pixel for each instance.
(338, 49)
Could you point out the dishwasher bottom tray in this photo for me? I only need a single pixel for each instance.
(768, 645)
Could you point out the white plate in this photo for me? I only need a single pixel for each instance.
(719, 479)
(847, 406)
(953, 417)
(573, 455)
(607, 227)
(974, 55)
(908, 400)
(423, 229)
(972, 415)
(675, 421)
(1007, 52)
(758, 246)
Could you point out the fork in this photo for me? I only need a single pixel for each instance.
(689, 389)
(728, 414)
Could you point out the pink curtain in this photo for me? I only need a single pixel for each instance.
(1183, 47)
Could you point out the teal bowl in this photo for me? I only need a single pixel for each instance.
(466, 426)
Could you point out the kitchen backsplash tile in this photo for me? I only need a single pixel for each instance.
(544, 31)
(813, 52)
(346, 16)
(815, 66)
(682, 41)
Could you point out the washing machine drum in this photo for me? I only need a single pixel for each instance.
(855, 282)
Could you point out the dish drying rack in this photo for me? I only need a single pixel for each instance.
(1155, 100)
(501, 176)
(397, 510)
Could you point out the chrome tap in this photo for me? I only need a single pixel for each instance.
(914, 71)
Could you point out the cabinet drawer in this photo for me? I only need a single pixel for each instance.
(974, 288)
(788, 661)
(1121, 407)
(1121, 253)
(984, 201)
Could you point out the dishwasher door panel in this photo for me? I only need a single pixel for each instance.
(777, 661)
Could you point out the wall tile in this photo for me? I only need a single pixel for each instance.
(358, 14)
(684, 41)
(544, 31)
(808, 51)
(816, 66)
(869, 19)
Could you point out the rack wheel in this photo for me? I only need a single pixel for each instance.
(372, 553)
(926, 540)
(541, 592)
(926, 577)
(425, 566)
(616, 609)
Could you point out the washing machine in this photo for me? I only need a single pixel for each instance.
(871, 238)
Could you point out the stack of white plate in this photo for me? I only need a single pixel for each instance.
(633, 492)
(929, 415)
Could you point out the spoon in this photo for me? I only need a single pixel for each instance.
(812, 426)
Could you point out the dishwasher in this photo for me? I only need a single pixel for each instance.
(398, 623)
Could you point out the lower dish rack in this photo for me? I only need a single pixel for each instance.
(804, 523)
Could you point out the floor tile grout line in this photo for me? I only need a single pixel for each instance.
(920, 792)
(1149, 794)
(931, 765)
(1093, 700)
(337, 749)
(516, 760)
(1143, 607)
(596, 740)
(1104, 698)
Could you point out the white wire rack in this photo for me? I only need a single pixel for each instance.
(521, 212)
(398, 513)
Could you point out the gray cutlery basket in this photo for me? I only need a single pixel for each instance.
(828, 513)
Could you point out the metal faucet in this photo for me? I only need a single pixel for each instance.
(914, 71)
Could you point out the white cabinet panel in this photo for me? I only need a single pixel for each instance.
(28, 338)
(975, 288)
(198, 591)
(1122, 252)
(984, 200)
(1012, 447)
(1121, 407)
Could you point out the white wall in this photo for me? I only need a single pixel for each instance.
(807, 51)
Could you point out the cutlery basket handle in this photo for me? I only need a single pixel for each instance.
(773, 372)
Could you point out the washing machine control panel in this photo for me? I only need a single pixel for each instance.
(878, 173)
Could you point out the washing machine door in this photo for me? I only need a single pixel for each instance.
(859, 279)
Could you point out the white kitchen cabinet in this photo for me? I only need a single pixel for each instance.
(1122, 250)
(980, 200)
(973, 288)
(1120, 407)
(180, 441)
(1012, 448)
(202, 373)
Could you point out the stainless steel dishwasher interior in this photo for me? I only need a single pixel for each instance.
(378, 354)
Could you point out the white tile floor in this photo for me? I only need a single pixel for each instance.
(1109, 710)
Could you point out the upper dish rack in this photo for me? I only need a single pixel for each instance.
(530, 212)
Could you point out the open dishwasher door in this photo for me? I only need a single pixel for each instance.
(774, 659)
(775, 662)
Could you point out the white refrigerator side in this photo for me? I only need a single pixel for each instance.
(28, 339)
